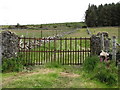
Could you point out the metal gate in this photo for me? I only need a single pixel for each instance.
(67, 51)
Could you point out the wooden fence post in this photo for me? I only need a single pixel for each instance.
(114, 49)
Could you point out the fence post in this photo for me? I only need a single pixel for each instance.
(114, 49)
(89, 32)
(119, 59)
(102, 41)
(54, 49)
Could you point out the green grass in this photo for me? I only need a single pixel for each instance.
(35, 81)
(37, 33)
(43, 77)
(112, 31)
(51, 26)
(78, 33)
(50, 76)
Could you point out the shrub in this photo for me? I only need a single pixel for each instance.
(105, 74)
(84, 26)
(11, 65)
(54, 26)
(90, 63)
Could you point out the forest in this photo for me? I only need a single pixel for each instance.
(103, 15)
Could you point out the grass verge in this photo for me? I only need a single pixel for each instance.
(51, 76)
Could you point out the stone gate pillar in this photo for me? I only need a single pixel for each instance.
(0, 49)
(95, 45)
(9, 44)
(0, 60)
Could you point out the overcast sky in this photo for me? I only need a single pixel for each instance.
(45, 11)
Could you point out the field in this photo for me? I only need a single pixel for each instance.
(37, 33)
(54, 75)
(51, 76)
(52, 26)
(113, 31)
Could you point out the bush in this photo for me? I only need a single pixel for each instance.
(105, 74)
(84, 26)
(90, 63)
(11, 65)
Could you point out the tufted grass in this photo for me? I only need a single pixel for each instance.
(51, 77)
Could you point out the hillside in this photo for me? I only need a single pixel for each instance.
(52, 26)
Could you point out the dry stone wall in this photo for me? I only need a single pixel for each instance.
(95, 45)
(0, 48)
(9, 44)
(99, 42)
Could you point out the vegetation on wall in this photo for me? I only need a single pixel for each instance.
(12, 65)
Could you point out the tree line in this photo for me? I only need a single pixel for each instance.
(103, 15)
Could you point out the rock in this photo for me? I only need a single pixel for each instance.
(105, 34)
(9, 44)
(95, 45)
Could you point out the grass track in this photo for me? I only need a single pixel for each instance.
(62, 77)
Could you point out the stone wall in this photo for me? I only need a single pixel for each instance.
(0, 49)
(99, 42)
(9, 43)
(95, 45)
